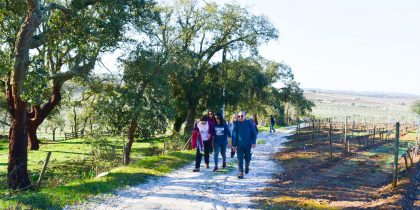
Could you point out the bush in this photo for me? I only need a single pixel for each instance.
(104, 154)
(175, 143)
(154, 149)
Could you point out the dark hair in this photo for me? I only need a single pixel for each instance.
(219, 115)
(211, 112)
(204, 118)
(255, 120)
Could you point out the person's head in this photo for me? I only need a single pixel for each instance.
(234, 118)
(219, 118)
(241, 116)
(203, 119)
(210, 114)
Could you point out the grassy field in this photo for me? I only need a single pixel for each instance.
(73, 165)
(363, 107)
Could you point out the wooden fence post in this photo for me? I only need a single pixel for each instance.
(346, 140)
(44, 168)
(313, 129)
(330, 138)
(417, 138)
(396, 150)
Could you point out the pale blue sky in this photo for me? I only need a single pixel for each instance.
(366, 45)
(361, 45)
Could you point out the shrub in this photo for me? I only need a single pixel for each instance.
(104, 154)
(175, 143)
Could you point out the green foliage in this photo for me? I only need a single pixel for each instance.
(415, 107)
(261, 141)
(142, 96)
(192, 34)
(175, 143)
(105, 154)
(154, 149)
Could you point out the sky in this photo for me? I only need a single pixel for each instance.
(360, 45)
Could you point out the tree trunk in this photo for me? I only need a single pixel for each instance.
(17, 169)
(53, 133)
(178, 124)
(75, 122)
(91, 126)
(127, 149)
(18, 149)
(32, 137)
(190, 121)
(84, 125)
(38, 115)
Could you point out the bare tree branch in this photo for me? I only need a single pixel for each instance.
(53, 6)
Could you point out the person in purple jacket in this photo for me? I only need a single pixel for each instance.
(211, 119)
(220, 140)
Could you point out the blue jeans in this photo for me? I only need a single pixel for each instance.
(244, 152)
(217, 149)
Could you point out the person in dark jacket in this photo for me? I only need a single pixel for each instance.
(272, 122)
(211, 119)
(243, 139)
(234, 119)
(220, 139)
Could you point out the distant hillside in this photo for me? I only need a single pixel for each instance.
(368, 94)
(363, 106)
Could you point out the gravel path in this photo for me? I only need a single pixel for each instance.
(183, 189)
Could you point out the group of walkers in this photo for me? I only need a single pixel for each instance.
(212, 132)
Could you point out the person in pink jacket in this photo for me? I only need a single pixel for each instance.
(205, 134)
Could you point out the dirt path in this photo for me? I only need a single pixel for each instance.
(184, 189)
(311, 180)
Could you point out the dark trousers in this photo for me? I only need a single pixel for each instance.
(244, 152)
(198, 155)
(232, 153)
(272, 128)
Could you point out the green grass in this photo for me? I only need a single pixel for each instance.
(69, 178)
(70, 159)
(80, 190)
(287, 203)
(267, 128)
(261, 141)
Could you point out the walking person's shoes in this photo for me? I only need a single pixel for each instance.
(215, 169)
(196, 169)
(240, 175)
(246, 170)
(224, 165)
(207, 165)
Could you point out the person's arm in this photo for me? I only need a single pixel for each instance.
(234, 135)
(253, 136)
(228, 130)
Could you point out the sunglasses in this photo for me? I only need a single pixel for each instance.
(240, 116)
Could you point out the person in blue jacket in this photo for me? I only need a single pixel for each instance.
(272, 122)
(220, 139)
(243, 139)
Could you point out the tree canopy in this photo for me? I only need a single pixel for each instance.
(180, 58)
